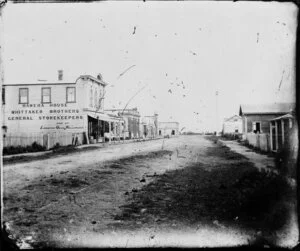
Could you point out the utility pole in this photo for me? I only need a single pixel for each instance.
(217, 111)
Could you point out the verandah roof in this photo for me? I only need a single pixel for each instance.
(286, 116)
(104, 117)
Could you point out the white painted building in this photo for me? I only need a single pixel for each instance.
(168, 129)
(57, 112)
(149, 126)
(233, 125)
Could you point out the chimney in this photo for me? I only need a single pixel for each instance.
(60, 75)
(99, 76)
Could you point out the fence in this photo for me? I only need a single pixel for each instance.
(47, 140)
(260, 141)
(22, 139)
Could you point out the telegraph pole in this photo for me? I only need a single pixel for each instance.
(217, 111)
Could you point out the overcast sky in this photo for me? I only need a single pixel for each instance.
(180, 52)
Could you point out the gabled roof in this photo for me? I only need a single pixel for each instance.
(275, 108)
(232, 117)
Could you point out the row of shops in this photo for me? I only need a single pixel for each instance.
(65, 113)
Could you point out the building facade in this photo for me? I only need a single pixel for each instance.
(131, 118)
(168, 129)
(255, 118)
(149, 126)
(232, 125)
(262, 125)
(57, 112)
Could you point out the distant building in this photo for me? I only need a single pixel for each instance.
(168, 129)
(61, 112)
(255, 118)
(149, 126)
(131, 118)
(232, 125)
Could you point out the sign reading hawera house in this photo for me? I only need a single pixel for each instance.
(61, 107)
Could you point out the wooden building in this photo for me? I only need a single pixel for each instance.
(149, 126)
(57, 112)
(281, 129)
(131, 119)
(256, 118)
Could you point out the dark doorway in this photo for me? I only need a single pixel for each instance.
(173, 132)
(258, 127)
(97, 128)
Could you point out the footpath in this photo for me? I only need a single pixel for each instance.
(260, 161)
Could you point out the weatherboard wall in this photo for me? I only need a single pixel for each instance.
(264, 120)
(59, 119)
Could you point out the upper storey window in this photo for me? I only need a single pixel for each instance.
(46, 95)
(23, 96)
(71, 95)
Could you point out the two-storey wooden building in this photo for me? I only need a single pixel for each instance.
(57, 112)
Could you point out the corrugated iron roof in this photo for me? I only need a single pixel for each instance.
(276, 108)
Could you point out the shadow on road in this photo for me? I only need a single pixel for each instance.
(227, 194)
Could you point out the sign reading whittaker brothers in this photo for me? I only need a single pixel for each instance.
(46, 117)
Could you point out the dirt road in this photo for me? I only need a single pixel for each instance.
(179, 191)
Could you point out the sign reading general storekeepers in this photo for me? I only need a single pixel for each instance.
(47, 116)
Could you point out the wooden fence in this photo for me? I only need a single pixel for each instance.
(22, 139)
(259, 140)
(47, 140)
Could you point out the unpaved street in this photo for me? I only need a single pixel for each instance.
(178, 191)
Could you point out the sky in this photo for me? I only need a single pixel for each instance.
(176, 55)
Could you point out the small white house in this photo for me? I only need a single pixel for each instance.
(168, 129)
(232, 125)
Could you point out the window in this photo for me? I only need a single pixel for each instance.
(3, 96)
(23, 96)
(71, 95)
(46, 95)
(91, 97)
(96, 99)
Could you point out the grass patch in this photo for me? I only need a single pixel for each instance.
(34, 147)
(58, 151)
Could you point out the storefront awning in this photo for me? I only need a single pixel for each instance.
(104, 117)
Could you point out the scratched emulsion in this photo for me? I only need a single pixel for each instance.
(169, 124)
